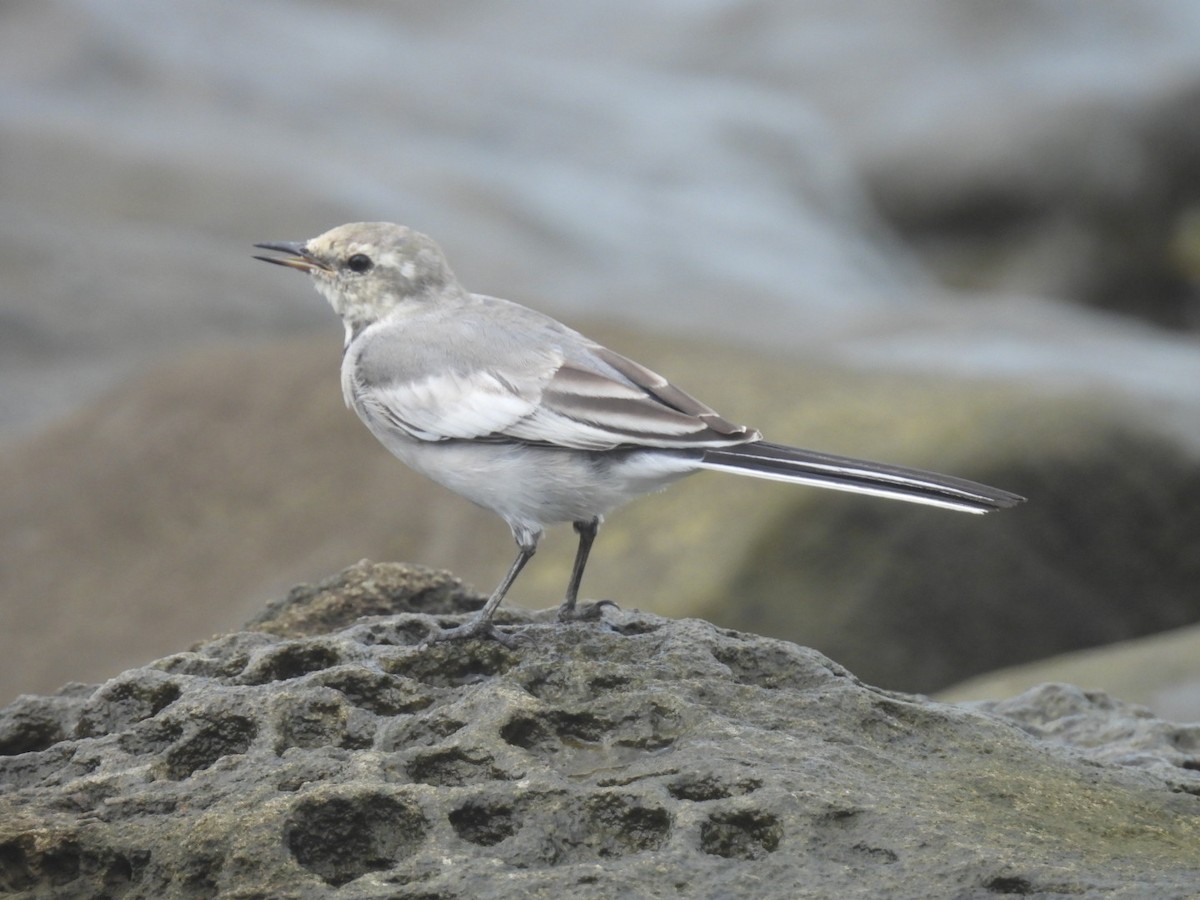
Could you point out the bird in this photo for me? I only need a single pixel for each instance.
(526, 417)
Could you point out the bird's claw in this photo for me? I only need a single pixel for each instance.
(483, 629)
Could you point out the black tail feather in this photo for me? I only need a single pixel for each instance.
(763, 459)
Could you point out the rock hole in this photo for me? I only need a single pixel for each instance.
(744, 834)
(572, 829)
(699, 788)
(124, 703)
(837, 817)
(220, 736)
(342, 838)
(61, 864)
(879, 854)
(546, 733)
(610, 682)
(773, 666)
(150, 737)
(454, 767)
(417, 732)
(376, 692)
(454, 664)
(321, 718)
(622, 825)
(1009, 884)
(484, 822)
(636, 627)
(290, 661)
(16, 873)
(32, 734)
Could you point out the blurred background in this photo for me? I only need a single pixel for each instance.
(959, 236)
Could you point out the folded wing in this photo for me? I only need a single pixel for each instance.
(596, 401)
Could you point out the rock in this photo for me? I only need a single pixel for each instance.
(1046, 149)
(364, 590)
(1101, 727)
(1161, 672)
(640, 757)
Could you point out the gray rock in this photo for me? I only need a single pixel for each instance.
(642, 757)
(1101, 727)
(1161, 672)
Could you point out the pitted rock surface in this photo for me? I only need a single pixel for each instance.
(638, 757)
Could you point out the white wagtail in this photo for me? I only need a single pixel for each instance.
(530, 419)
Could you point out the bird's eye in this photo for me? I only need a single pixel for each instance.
(359, 262)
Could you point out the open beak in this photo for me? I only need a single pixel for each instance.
(300, 258)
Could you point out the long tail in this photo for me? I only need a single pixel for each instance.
(763, 459)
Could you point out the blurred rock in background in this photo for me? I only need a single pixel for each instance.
(940, 235)
(1159, 672)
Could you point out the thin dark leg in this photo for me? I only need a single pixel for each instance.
(481, 625)
(567, 612)
(587, 534)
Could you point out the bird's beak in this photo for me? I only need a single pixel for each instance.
(300, 258)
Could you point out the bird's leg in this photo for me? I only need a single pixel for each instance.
(481, 624)
(568, 612)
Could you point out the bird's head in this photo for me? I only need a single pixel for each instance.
(367, 269)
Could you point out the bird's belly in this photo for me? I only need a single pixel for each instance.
(534, 486)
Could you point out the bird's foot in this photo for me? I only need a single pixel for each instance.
(483, 629)
(584, 612)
